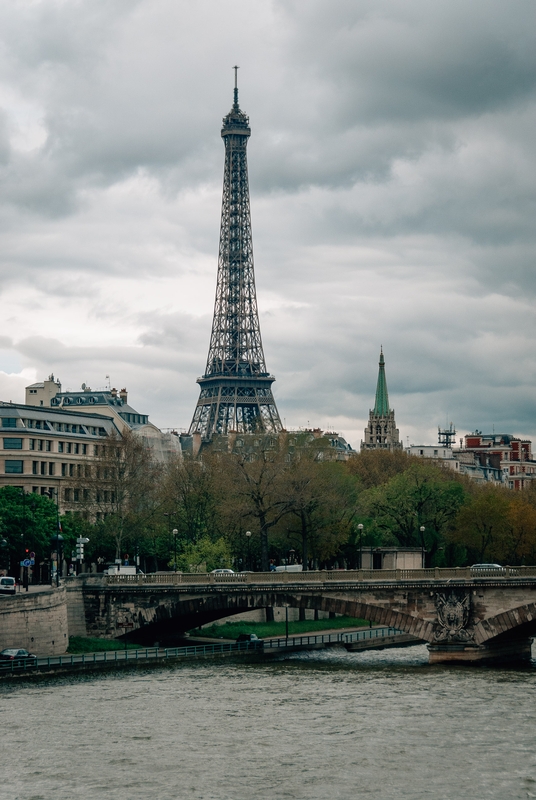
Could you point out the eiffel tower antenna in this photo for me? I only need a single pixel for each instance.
(236, 389)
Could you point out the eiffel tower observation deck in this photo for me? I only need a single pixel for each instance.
(236, 389)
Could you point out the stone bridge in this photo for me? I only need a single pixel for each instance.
(462, 616)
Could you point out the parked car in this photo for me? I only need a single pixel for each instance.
(17, 655)
(222, 572)
(496, 568)
(248, 637)
(7, 585)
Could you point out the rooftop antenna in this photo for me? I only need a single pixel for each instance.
(108, 384)
(446, 436)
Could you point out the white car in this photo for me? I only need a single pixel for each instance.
(222, 572)
(7, 585)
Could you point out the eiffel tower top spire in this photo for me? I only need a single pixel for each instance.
(236, 390)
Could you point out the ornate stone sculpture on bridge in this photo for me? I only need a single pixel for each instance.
(453, 617)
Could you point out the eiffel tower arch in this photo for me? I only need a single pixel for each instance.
(236, 389)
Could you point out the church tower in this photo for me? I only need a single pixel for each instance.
(381, 431)
(236, 389)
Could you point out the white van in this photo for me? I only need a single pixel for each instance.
(7, 585)
(290, 568)
(116, 569)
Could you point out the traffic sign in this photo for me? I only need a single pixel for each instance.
(26, 563)
(31, 554)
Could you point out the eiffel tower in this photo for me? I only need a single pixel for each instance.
(236, 390)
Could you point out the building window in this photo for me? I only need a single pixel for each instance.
(69, 447)
(35, 467)
(12, 444)
(48, 445)
(9, 422)
(14, 467)
(60, 447)
(67, 495)
(77, 449)
(31, 444)
(71, 470)
(64, 470)
(86, 495)
(40, 444)
(76, 495)
(51, 468)
(43, 467)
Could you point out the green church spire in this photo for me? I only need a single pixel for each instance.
(381, 406)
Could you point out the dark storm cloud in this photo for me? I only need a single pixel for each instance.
(393, 174)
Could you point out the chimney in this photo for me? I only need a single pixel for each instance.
(123, 394)
(114, 392)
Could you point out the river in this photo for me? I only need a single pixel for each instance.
(322, 725)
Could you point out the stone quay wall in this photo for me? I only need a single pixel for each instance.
(36, 621)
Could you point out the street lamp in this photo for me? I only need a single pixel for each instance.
(175, 534)
(360, 529)
(248, 561)
(57, 542)
(422, 530)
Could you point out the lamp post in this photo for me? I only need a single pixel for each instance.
(57, 542)
(360, 529)
(175, 534)
(422, 530)
(58, 538)
(248, 561)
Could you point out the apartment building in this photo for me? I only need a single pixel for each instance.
(513, 456)
(43, 449)
(111, 403)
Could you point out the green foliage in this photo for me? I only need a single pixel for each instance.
(377, 467)
(421, 496)
(231, 630)
(27, 521)
(205, 555)
(497, 525)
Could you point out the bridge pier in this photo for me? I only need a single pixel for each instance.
(510, 651)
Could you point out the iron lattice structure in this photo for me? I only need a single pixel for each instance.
(236, 390)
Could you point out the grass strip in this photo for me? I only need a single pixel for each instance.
(230, 630)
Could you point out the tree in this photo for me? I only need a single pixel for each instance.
(253, 484)
(377, 467)
(482, 523)
(27, 522)
(205, 555)
(190, 497)
(497, 525)
(320, 497)
(118, 490)
(422, 497)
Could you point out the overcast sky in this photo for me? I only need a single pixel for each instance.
(393, 190)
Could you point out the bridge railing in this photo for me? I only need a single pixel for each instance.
(323, 576)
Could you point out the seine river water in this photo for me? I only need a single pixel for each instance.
(316, 726)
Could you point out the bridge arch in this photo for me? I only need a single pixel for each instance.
(519, 622)
(169, 615)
